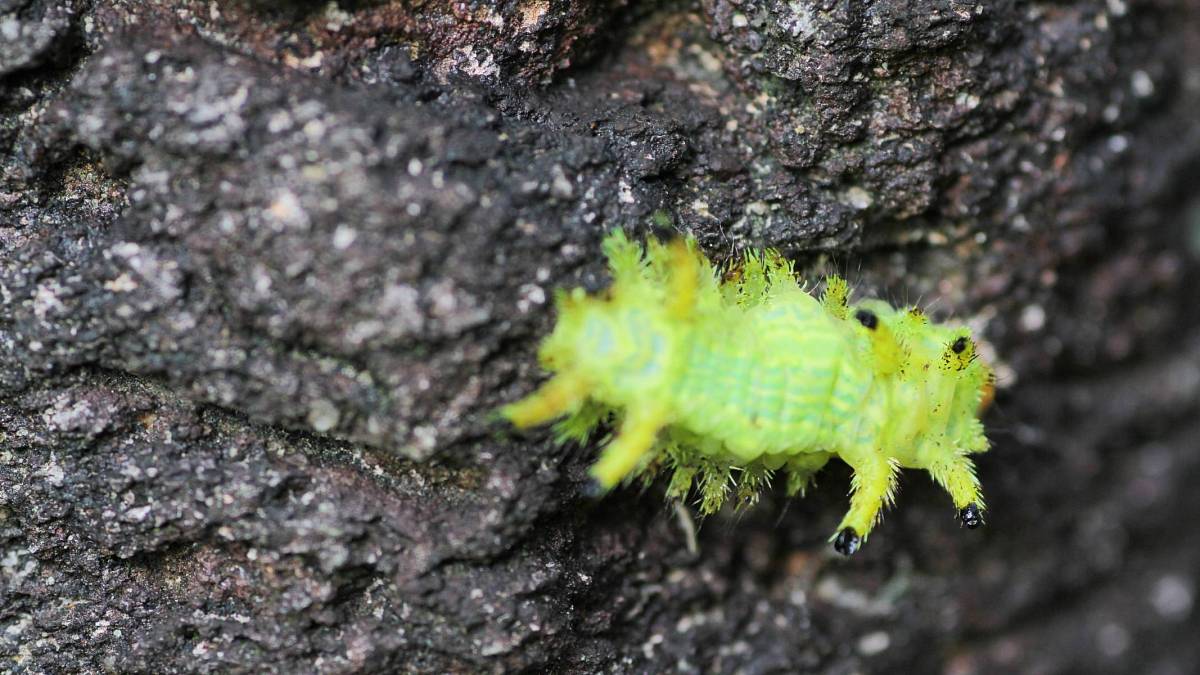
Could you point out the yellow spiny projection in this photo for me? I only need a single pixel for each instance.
(725, 381)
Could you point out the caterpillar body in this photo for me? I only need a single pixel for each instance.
(723, 381)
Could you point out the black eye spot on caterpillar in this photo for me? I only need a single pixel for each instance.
(867, 319)
(723, 380)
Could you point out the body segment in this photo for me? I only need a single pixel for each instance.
(762, 384)
(725, 383)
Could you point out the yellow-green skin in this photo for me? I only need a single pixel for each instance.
(724, 382)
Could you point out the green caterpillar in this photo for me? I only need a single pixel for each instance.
(722, 382)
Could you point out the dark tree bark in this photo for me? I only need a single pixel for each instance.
(267, 266)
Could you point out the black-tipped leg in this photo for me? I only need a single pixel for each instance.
(846, 542)
(970, 516)
(592, 489)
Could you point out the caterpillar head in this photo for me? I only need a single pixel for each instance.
(901, 342)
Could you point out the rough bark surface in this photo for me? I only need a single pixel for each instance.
(266, 267)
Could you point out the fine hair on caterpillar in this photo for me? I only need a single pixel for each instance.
(725, 380)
